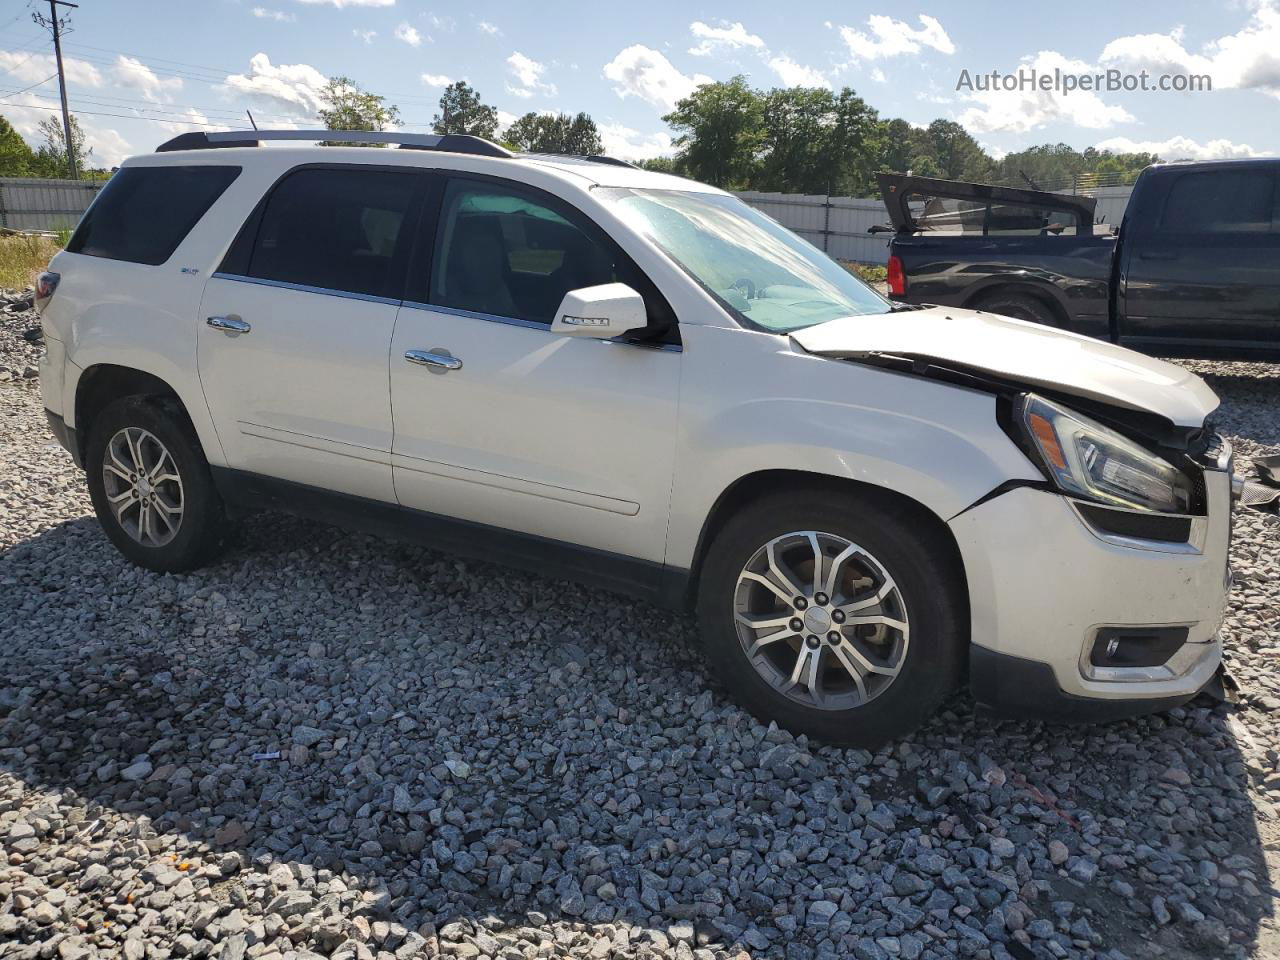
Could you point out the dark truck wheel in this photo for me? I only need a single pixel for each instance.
(838, 619)
(1020, 306)
(150, 485)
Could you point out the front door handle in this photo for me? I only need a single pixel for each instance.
(1157, 255)
(437, 359)
(230, 323)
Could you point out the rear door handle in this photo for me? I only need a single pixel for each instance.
(1156, 255)
(230, 323)
(436, 359)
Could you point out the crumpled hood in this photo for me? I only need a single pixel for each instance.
(1022, 352)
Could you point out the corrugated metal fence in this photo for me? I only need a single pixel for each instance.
(35, 204)
(839, 225)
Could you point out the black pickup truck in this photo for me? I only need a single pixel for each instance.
(1192, 271)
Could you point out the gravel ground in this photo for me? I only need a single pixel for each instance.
(332, 745)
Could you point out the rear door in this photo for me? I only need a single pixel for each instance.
(295, 328)
(1202, 263)
(565, 438)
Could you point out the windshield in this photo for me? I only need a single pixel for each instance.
(770, 278)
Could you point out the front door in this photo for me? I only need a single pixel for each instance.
(564, 438)
(294, 334)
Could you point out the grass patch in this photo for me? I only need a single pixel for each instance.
(23, 256)
(864, 272)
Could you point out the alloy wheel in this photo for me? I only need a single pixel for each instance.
(821, 620)
(143, 486)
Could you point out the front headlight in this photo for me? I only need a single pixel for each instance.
(1088, 460)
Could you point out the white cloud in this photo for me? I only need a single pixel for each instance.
(640, 71)
(1020, 111)
(797, 74)
(25, 111)
(877, 75)
(279, 16)
(295, 86)
(25, 68)
(484, 26)
(627, 144)
(443, 24)
(1248, 59)
(891, 38)
(435, 80)
(528, 74)
(727, 36)
(351, 3)
(409, 34)
(1180, 148)
(130, 72)
(365, 35)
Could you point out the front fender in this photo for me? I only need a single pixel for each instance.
(937, 444)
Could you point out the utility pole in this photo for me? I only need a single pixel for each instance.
(54, 25)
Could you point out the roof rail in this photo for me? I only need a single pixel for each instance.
(448, 142)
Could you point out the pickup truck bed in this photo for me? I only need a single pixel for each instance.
(1193, 270)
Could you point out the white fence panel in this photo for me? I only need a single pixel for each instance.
(28, 203)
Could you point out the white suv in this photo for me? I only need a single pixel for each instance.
(595, 372)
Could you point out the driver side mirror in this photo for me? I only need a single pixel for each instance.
(603, 312)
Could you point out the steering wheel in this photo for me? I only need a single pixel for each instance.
(746, 286)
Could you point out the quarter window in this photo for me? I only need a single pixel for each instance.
(506, 253)
(143, 213)
(337, 229)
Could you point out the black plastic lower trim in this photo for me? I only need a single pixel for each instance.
(1013, 688)
(64, 435)
(551, 558)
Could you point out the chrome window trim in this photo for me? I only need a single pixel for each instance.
(528, 324)
(306, 288)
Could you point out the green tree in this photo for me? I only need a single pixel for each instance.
(462, 111)
(908, 149)
(661, 165)
(17, 159)
(555, 133)
(718, 129)
(51, 157)
(958, 155)
(347, 107)
(815, 141)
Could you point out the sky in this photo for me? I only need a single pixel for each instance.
(140, 72)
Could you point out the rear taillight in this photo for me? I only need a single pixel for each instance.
(896, 278)
(46, 284)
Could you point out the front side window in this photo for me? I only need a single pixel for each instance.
(768, 277)
(143, 213)
(503, 252)
(336, 229)
(1220, 201)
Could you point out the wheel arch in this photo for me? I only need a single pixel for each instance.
(1041, 292)
(753, 486)
(103, 383)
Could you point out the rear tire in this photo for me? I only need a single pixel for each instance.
(151, 487)
(919, 634)
(1020, 306)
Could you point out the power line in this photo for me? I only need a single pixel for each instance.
(125, 116)
(39, 83)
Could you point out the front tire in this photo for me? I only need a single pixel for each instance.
(836, 617)
(151, 487)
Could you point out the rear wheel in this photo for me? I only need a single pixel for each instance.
(839, 619)
(150, 485)
(1020, 307)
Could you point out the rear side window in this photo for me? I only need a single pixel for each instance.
(143, 213)
(1220, 201)
(337, 229)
